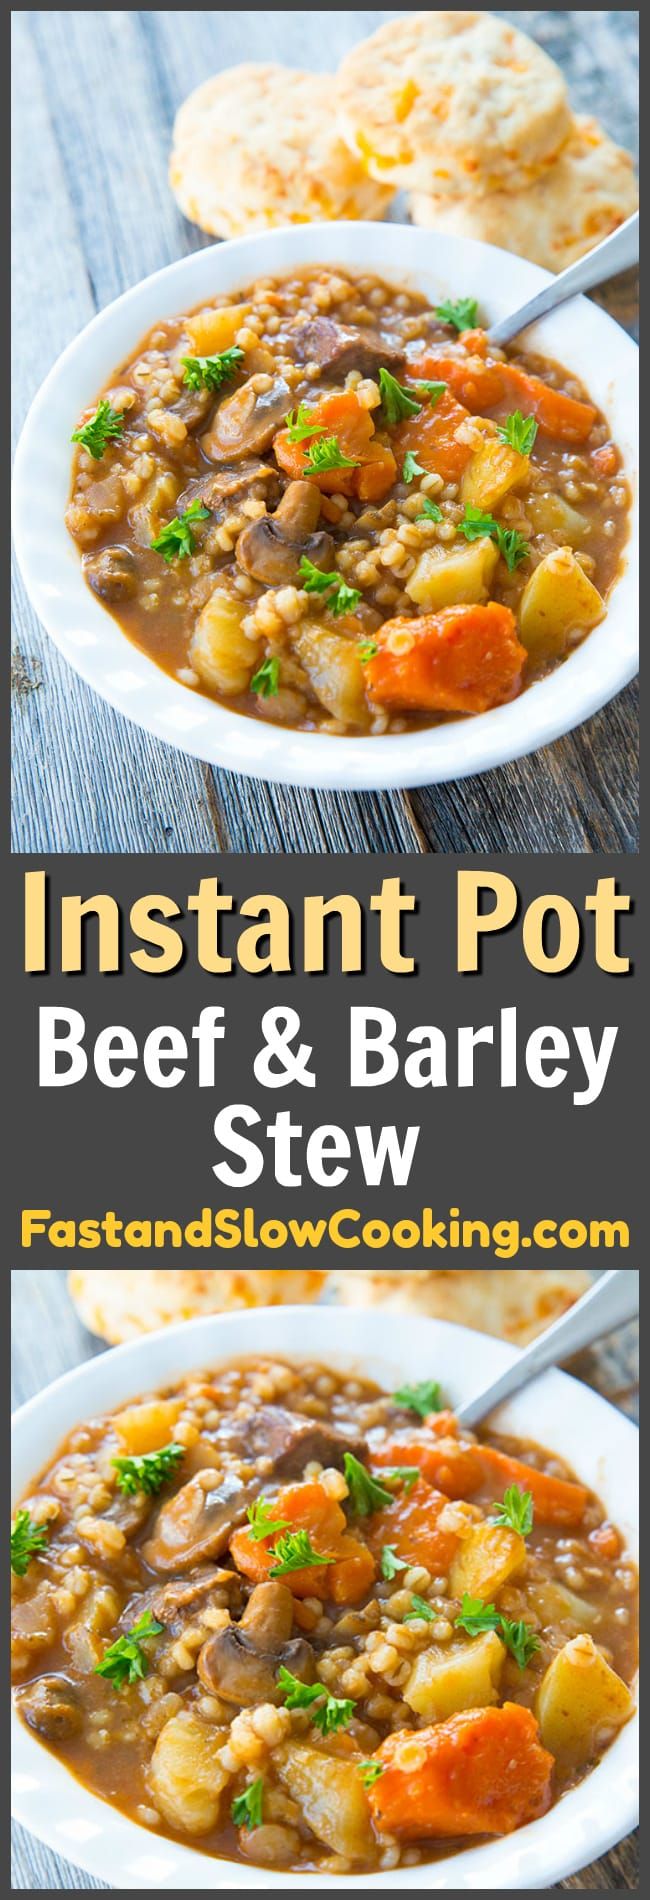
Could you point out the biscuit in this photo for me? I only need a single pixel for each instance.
(450, 102)
(258, 146)
(121, 1305)
(588, 190)
(511, 1302)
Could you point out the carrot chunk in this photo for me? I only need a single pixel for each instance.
(343, 416)
(411, 1526)
(483, 1771)
(483, 385)
(431, 436)
(556, 1500)
(464, 659)
(448, 1465)
(307, 1507)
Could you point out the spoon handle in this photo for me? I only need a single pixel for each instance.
(605, 1306)
(616, 253)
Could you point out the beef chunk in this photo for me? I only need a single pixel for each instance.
(290, 1440)
(338, 348)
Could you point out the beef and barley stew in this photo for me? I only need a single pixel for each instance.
(324, 503)
(278, 1614)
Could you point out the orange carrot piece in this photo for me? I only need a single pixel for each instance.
(308, 1507)
(377, 473)
(605, 459)
(556, 1500)
(449, 1466)
(411, 1525)
(483, 385)
(431, 436)
(343, 416)
(483, 1771)
(464, 659)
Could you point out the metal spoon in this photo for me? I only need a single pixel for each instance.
(605, 1306)
(616, 253)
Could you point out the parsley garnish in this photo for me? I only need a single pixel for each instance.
(324, 455)
(461, 315)
(107, 425)
(370, 1772)
(430, 510)
(342, 599)
(403, 1474)
(433, 390)
(396, 402)
(366, 1495)
(390, 1563)
(421, 1611)
(518, 431)
(262, 1522)
(176, 541)
(209, 372)
(519, 1638)
(367, 650)
(516, 1510)
(246, 1810)
(423, 1398)
(27, 1540)
(333, 1712)
(149, 1472)
(125, 1661)
(411, 467)
(267, 678)
(512, 545)
(298, 425)
(296, 1552)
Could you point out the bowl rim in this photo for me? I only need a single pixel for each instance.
(77, 1824)
(94, 644)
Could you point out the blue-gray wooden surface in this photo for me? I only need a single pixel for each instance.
(94, 98)
(47, 1339)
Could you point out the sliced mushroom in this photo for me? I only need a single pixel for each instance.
(198, 1522)
(51, 1706)
(241, 1663)
(271, 549)
(112, 573)
(245, 423)
(214, 490)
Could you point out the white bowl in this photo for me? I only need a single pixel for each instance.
(580, 336)
(566, 1417)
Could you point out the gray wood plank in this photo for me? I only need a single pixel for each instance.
(85, 778)
(47, 1339)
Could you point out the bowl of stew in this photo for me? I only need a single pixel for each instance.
(277, 1615)
(313, 526)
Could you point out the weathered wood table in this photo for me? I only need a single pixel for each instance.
(95, 96)
(48, 1339)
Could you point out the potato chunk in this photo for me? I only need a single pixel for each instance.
(581, 1703)
(444, 581)
(330, 1793)
(557, 599)
(465, 1676)
(551, 514)
(186, 1778)
(148, 1426)
(488, 1557)
(220, 653)
(335, 671)
(494, 469)
(211, 331)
